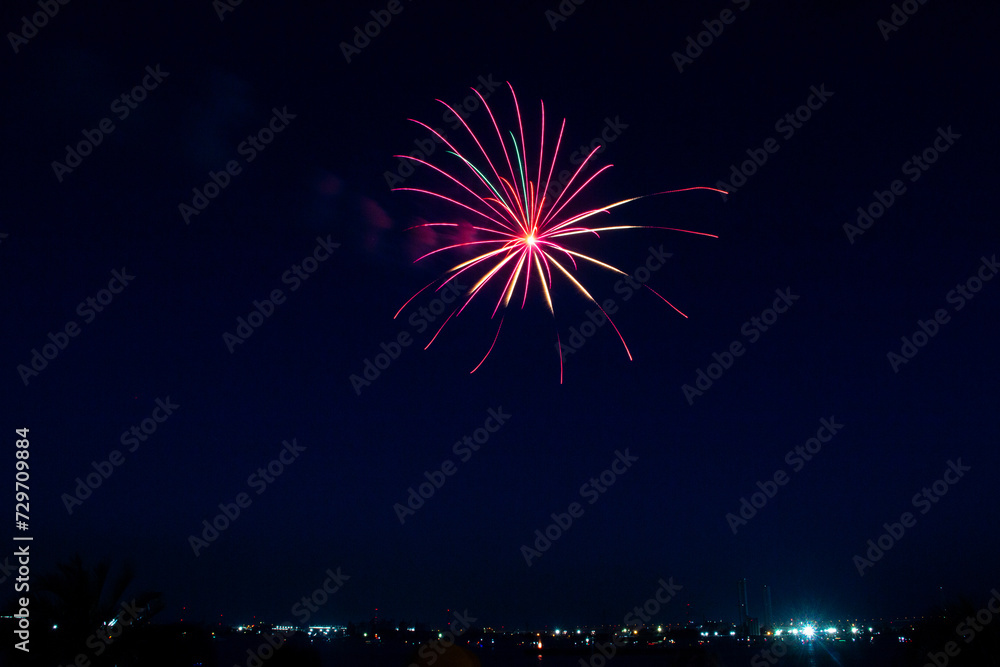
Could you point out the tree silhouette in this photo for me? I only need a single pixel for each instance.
(76, 610)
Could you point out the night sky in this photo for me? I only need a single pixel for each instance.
(839, 111)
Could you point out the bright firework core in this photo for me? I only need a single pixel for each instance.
(522, 232)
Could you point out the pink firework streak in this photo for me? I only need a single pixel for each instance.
(523, 232)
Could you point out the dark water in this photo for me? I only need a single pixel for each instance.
(814, 654)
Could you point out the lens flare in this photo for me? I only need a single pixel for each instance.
(522, 232)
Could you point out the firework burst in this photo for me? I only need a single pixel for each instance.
(522, 234)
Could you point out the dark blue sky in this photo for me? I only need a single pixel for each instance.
(838, 110)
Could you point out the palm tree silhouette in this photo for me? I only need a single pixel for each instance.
(78, 610)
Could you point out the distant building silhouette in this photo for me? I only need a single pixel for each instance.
(768, 613)
(741, 590)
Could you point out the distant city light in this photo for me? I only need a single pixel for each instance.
(809, 631)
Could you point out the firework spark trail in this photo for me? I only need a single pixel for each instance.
(523, 230)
